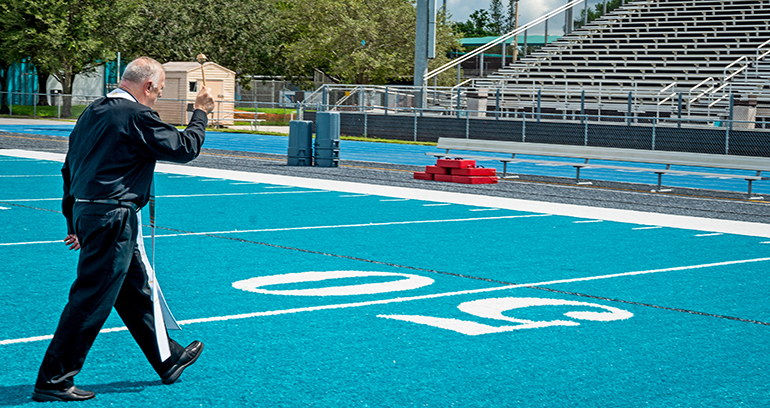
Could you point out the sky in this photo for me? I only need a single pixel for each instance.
(528, 9)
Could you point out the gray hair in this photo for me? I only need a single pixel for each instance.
(143, 69)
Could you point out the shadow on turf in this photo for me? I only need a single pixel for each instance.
(20, 394)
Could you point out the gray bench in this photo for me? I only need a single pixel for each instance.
(588, 153)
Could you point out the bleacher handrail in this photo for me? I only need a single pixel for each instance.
(701, 83)
(669, 86)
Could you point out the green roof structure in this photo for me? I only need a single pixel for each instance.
(532, 40)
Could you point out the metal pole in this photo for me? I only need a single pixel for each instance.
(628, 119)
(324, 98)
(421, 43)
(467, 124)
(458, 74)
(729, 124)
(516, 37)
(386, 101)
(458, 103)
(503, 66)
(497, 104)
(481, 65)
(679, 111)
(422, 99)
(525, 44)
(539, 97)
(117, 74)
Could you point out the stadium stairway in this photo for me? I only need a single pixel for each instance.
(644, 47)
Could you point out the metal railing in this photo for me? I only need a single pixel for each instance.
(593, 124)
(740, 65)
(175, 111)
(727, 136)
(445, 101)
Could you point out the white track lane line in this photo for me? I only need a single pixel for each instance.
(28, 175)
(374, 224)
(23, 200)
(409, 299)
(478, 200)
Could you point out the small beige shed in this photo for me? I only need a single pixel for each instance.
(183, 80)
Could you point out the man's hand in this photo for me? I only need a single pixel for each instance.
(204, 100)
(72, 241)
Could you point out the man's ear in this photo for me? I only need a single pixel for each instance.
(148, 86)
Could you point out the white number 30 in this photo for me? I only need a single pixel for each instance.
(493, 309)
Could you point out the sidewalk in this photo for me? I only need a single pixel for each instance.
(263, 128)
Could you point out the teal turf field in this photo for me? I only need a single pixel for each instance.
(314, 293)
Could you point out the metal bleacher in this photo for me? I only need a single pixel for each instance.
(654, 49)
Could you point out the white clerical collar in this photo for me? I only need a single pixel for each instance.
(121, 93)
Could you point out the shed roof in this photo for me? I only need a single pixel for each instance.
(184, 66)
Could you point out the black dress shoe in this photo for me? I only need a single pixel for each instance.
(70, 394)
(190, 354)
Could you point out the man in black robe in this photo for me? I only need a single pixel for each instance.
(107, 175)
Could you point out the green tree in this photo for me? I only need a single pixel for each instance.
(68, 37)
(496, 19)
(511, 18)
(11, 23)
(478, 25)
(241, 35)
(596, 12)
(356, 41)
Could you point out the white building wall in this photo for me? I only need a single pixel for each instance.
(86, 87)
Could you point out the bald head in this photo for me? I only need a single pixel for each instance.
(144, 78)
(143, 69)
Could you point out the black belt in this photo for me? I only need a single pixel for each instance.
(130, 204)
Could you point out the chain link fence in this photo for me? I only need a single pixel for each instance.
(729, 137)
(399, 119)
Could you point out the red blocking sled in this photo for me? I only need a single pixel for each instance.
(455, 163)
(474, 171)
(436, 170)
(475, 179)
(444, 177)
(457, 171)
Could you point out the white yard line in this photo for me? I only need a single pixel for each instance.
(409, 299)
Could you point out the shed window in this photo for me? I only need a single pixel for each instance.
(194, 86)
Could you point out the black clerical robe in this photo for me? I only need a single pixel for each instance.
(111, 159)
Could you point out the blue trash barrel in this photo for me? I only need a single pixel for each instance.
(327, 139)
(300, 143)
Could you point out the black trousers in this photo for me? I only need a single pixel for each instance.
(110, 274)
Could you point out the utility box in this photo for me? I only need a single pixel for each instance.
(477, 102)
(745, 113)
(184, 79)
